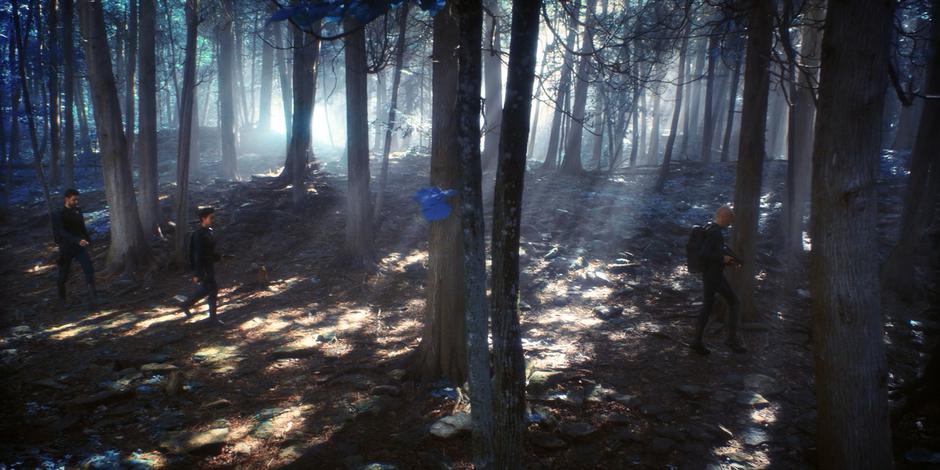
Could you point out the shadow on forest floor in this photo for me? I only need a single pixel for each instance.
(306, 372)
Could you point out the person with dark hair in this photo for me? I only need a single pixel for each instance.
(70, 233)
(715, 256)
(202, 259)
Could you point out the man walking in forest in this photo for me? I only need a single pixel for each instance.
(202, 259)
(68, 226)
(715, 255)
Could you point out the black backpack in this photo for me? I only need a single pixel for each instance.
(694, 247)
(191, 249)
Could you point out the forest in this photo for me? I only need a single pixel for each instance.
(455, 234)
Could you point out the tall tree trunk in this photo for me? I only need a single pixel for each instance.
(392, 122)
(572, 161)
(129, 249)
(674, 126)
(381, 109)
(508, 360)
(470, 25)
(28, 106)
(227, 90)
(493, 89)
(84, 132)
(851, 371)
(300, 150)
(653, 154)
(130, 68)
(800, 132)
(564, 88)
(52, 32)
(635, 144)
(150, 215)
(732, 103)
(359, 228)
(600, 115)
(708, 127)
(898, 273)
(283, 79)
(267, 78)
(184, 146)
(750, 166)
(68, 57)
(443, 348)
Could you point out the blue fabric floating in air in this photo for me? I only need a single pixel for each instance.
(433, 202)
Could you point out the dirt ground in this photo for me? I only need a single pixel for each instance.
(307, 371)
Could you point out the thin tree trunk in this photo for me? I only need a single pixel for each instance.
(564, 89)
(572, 161)
(392, 122)
(128, 249)
(84, 133)
(493, 89)
(470, 25)
(359, 239)
(750, 166)
(184, 146)
(150, 216)
(68, 56)
(732, 102)
(267, 78)
(52, 32)
(508, 359)
(284, 80)
(674, 126)
(851, 372)
(652, 157)
(300, 150)
(708, 127)
(130, 69)
(226, 67)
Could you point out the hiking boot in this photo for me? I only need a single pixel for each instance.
(737, 347)
(700, 348)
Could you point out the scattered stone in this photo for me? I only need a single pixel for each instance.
(625, 400)
(599, 394)
(145, 461)
(577, 430)
(220, 403)
(616, 419)
(378, 466)
(524, 307)
(546, 441)
(104, 461)
(561, 301)
(541, 380)
(754, 436)
(242, 448)
(22, 330)
(761, 383)
(157, 367)
(103, 397)
(752, 399)
(397, 374)
(607, 312)
(389, 390)
(450, 426)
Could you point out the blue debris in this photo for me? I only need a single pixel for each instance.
(444, 389)
(433, 202)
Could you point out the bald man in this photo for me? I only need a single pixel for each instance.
(715, 256)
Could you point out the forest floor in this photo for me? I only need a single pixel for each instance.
(307, 371)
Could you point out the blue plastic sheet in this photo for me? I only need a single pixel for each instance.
(433, 202)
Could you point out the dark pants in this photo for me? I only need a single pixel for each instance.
(207, 289)
(718, 285)
(66, 255)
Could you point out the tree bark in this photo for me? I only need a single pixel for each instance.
(652, 156)
(851, 371)
(508, 360)
(732, 104)
(708, 125)
(130, 67)
(358, 211)
(695, 98)
(128, 250)
(227, 90)
(150, 216)
(571, 163)
(470, 20)
(267, 78)
(184, 145)
(283, 80)
(750, 165)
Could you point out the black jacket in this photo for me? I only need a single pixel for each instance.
(204, 255)
(713, 251)
(68, 226)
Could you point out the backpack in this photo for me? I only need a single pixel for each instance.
(193, 239)
(693, 247)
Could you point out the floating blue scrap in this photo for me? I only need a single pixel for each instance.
(433, 202)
